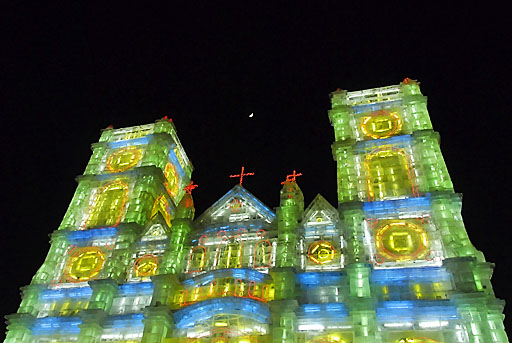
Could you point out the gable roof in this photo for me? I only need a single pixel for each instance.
(156, 229)
(320, 208)
(237, 205)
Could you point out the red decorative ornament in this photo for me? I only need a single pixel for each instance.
(146, 265)
(235, 205)
(190, 187)
(292, 177)
(321, 252)
(241, 175)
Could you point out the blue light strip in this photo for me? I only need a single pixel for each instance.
(313, 230)
(318, 279)
(234, 227)
(135, 288)
(336, 310)
(87, 235)
(125, 321)
(51, 295)
(416, 310)
(56, 325)
(377, 208)
(236, 273)
(376, 106)
(402, 275)
(130, 142)
(200, 312)
(363, 147)
(176, 162)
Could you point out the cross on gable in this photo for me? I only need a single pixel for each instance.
(241, 175)
(292, 177)
(190, 187)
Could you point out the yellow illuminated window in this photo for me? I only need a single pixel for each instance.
(332, 337)
(385, 292)
(381, 124)
(107, 209)
(416, 340)
(161, 206)
(399, 240)
(146, 265)
(262, 254)
(196, 259)
(84, 264)
(172, 180)
(230, 256)
(321, 252)
(123, 159)
(388, 173)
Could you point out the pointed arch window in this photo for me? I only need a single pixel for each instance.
(161, 206)
(172, 179)
(197, 258)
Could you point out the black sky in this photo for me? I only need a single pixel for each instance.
(72, 70)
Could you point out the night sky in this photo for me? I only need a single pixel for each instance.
(70, 71)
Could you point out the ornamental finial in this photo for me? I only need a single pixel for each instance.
(292, 177)
(190, 187)
(241, 175)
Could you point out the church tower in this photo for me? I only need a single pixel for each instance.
(414, 275)
(124, 226)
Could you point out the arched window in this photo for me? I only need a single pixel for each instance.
(262, 252)
(230, 250)
(218, 320)
(171, 179)
(196, 259)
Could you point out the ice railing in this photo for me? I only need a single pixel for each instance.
(128, 133)
(373, 95)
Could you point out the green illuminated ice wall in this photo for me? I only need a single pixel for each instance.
(392, 264)
(407, 244)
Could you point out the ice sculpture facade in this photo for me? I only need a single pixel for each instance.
(392, 264)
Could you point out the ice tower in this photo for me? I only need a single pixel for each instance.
(98, 282)
(393, 264)
(414, 275)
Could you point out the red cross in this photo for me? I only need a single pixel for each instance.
(291, 177)
(241, 175)
(190, 187)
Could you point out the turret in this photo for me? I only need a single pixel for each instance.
(288, 215)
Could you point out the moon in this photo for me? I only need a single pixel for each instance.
(251, 115)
